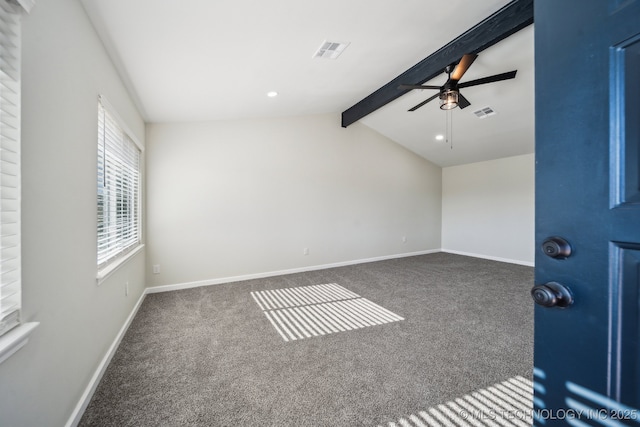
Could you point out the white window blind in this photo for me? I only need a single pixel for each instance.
(10, 263)
(118, 189)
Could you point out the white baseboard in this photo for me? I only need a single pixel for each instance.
(78, 411)
(489, 257)
(188, 285)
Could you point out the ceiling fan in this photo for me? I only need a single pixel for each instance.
(450, 96)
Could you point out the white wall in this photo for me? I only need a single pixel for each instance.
(233, 198)
(64, 69)
(488, 209)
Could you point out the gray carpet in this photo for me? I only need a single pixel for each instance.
(210, 357)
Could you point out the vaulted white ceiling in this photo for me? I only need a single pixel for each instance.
(197, 60)
(509, 132)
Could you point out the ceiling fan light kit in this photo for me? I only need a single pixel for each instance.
(448, 99)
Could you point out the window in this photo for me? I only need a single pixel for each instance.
(118, 189)
(13, 334)
(10, 275)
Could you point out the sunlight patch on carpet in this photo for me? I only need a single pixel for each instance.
(506, 404)
(311, 311)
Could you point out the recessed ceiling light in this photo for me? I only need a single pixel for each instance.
(272, 94)
(439, 137)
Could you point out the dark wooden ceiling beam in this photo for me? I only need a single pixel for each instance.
(510, 19)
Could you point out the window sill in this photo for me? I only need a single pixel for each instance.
(15, 339)
(109, 269)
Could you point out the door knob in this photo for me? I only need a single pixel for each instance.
(552, 294)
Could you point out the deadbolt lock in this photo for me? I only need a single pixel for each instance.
(556, 247)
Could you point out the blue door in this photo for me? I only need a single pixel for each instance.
(587, 320)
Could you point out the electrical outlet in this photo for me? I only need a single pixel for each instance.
(126, 289)
(305, 251)
(404, 239)
(156, 269)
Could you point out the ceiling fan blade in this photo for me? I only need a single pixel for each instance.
(417, 87)
(462, 101)
(424, 102)
(490, 79)
(463, 66)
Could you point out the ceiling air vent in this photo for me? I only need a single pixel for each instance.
(330, 50)
(484, 112)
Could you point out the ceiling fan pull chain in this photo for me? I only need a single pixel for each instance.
(449, 128)
(446, 127)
